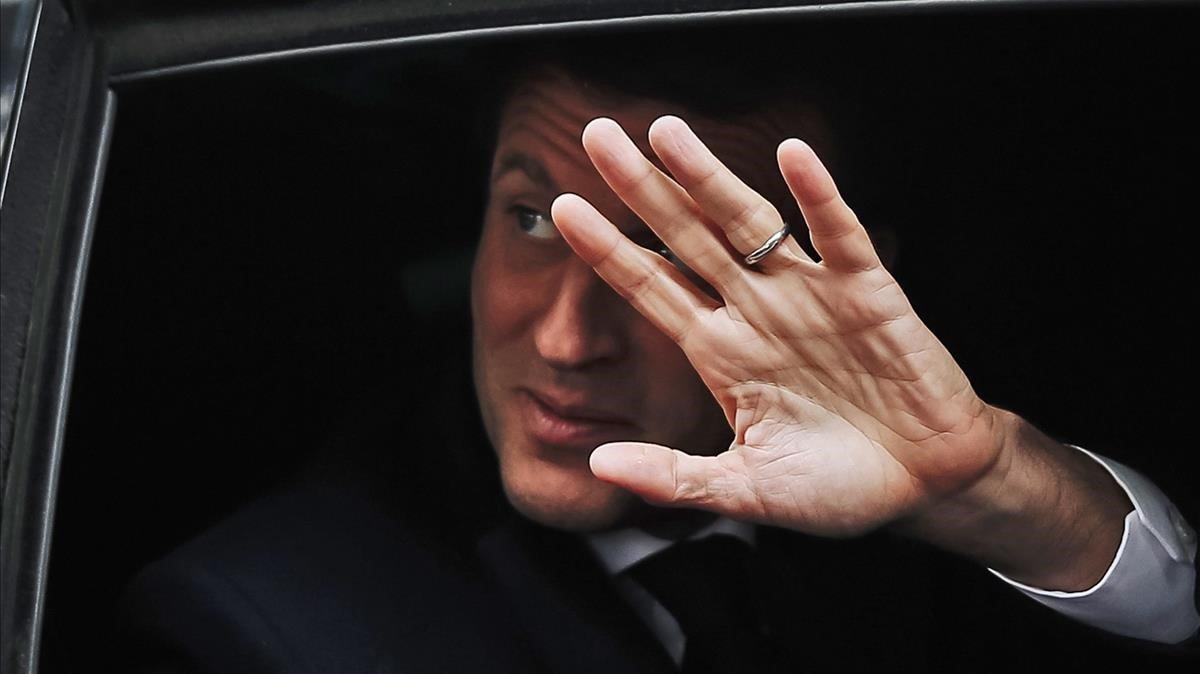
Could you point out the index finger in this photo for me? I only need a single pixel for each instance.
(655, 287)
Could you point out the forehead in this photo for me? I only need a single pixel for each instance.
(544, 114)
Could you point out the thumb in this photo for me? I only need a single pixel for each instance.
(669, 477)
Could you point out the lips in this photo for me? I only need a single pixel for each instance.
(554, 421)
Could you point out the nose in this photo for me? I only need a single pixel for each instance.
(584, 324)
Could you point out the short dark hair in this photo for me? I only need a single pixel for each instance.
(678, 69)
(740, 78)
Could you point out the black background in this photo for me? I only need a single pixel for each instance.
(278, 281)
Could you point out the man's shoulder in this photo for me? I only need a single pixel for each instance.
(310, 578)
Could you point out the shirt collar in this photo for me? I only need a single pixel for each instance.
(620, 549)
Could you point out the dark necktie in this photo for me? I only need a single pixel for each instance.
(708, 586)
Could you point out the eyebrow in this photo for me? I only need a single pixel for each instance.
(531, 167)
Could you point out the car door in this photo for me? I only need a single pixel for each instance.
(57, 114)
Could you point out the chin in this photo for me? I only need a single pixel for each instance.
(566, 498)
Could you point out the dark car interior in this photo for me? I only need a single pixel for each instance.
(278, 283)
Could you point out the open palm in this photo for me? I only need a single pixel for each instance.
(847, 411)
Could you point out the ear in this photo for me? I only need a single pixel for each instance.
(887, 245)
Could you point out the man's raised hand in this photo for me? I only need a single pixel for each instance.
(848, 413)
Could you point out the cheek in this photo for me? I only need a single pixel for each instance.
(494, 317)
(501, 299)
(506, 299)
(662, 359)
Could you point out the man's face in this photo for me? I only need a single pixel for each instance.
(561, 362)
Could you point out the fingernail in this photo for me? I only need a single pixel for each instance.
(799, 144)
(619, 147)
(605, 460)
(679, 137)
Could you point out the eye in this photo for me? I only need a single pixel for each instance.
(534, 223)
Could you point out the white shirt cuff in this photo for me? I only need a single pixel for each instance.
(1147, 592)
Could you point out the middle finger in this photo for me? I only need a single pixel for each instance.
(745, 216)
(661, 203)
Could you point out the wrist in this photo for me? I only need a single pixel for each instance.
(1044, 514)
(962, 519)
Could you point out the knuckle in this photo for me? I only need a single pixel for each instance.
(690, 492)
(708, 174)
(744, 223)
(640, 182)
(640, 285)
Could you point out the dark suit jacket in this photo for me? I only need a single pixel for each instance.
(318, 579)
(315, 579)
